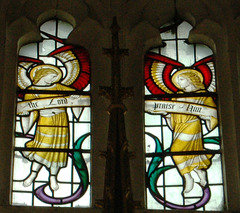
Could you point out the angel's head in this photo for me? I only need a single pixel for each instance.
(188, 80)
(45, 75)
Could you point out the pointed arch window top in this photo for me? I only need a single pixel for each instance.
(182, 143)
(53, 122)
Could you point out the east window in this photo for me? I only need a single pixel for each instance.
(182, 141)
(52, 154)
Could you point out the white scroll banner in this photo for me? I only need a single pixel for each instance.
(159, 107)
(56, 102)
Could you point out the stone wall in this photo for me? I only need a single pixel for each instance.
(216, 24)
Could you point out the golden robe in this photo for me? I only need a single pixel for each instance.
(52, 131)
(187, 136)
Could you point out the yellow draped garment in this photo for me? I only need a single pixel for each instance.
(52, 131)
(187, 136)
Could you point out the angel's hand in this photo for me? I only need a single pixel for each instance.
(74, 96)
(24, 113)
(163, 113)
(205, 117)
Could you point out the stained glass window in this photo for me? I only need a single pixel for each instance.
(52, 151)
(182, 141)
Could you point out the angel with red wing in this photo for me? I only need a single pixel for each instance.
(185, 108)
(47, 95)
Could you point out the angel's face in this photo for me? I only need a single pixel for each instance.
(49, 79)
(183, 82)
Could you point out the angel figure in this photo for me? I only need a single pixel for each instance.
(187, 128)
(52, 128)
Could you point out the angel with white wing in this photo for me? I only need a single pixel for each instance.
(187, 129)
(44, 106)
(52, 129)
(167, 76)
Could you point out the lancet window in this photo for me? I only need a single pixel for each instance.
(52, 154)
(182, 140)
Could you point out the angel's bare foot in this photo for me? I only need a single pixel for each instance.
(189, 183)
(202, 174)
(53, 183)
(29, 180)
